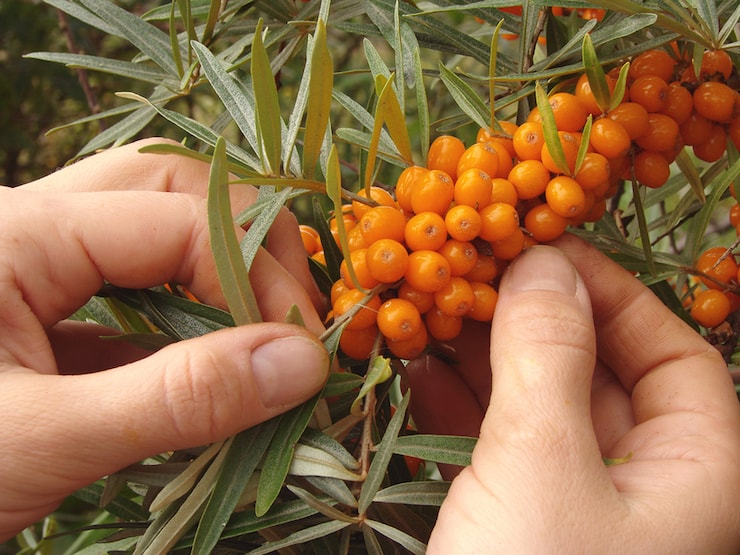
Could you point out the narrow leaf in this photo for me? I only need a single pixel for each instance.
(121, 131)
(455, 450)
(552, 138)
(324, 508)
(310, 461)
(129, 70)
(319, 100)
(267, 105)
(647, 248)
(390, 113)
(304, 535)
(230, 267)
(429, 492)
(596, 76)
(400, 537)
(465, 97)
(271, 204)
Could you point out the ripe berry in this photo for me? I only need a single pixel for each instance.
(528, 140)
(529, 177)
(498, 220)
(715, 101)
(463, 222)
(695, 130)
(651, 169)
(662, 134)
(485, 298)
(409, 178)
(310, 238)
(425, 231)
(377, 194)
(461, 255)
(570, 114)
(481, 156)
(473, 188)
(398, 319)
(544, 223)
(434, 193)
(444, 154)
(456, 298)
(710, 308)
(387, 260)
(423, 300)
(651, 91)
(633, 117)
(609, 138)
(565, 196)
(366, 315)
(410, 348)
(509, 247)
(716, 64)
(653, 62)
(679, 102)
(365, 280)
(594, 171)
(718, 265)
(382, 222)
(427, 270)
(571, 143)
(503, 190)
(441, 326)
(358, 344)
(714, 147)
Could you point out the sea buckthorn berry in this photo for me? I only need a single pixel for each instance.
(473, 188)
(509, 127)
(544, 223)
(319, 257)
(503, 190)
(456, 298)
(461, 255)
(338, 288)
(398, 319)
(584, 93)
(427, 270)
(358, 344)
(485, 298)
(366, 315)
(565, 196)
(310, 238)
(714, 147)
(695, 130)
(595, 213)
(463, 222)
(444, 154)
(710, 308)
(651, 169)
(411, 348)
(355, 239)
(570, 114)
(434, 193)
(425, 231)
(409, 178)
(498, 220)
(609, 138)
(632, 116)
(716, 64)
(733, 131)
(651, 91)
(365, 280)
(509, 247)
(715, 101)
(528, 140)
(718, 266)
(571, 143)
(661, 135)
(653, 62)
(423, 300)
(679, 102)
(377, 194)
(441, 326)
(529, 177)
(481, 156)
(735, 215)
(382, 222)
(387, 260)
(594, 171)
(485, 269)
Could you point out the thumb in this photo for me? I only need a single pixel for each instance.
(188, 394)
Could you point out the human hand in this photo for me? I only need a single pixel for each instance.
(66, 425)
(574, 380)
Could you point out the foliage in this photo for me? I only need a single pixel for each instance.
(312, 102)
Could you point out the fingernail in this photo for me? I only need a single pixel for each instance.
(289, 370)
(543, 268)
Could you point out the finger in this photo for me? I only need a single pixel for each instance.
(658, 358)
(188, 394)
(126, 169)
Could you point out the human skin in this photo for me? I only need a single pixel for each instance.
(585, 363)
(77, 407)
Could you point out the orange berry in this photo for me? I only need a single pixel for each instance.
(310, 238)
(609, 138)
(498, 220)
(718, 266)
(398, 319)
(733, 131)
(377, 194)
(570, 143)
(410, 348)
(651, 169)
(355, 239)
(529, 177)
(528, 140)
(485, 269)
(382, 222)
(594, 171)
(503, 190)
(632, 116)
(425, 231)
(714, 147)
(441, 326)
(358, 344)
(661, 135)
(481, 156)
(409, 178)
(319, 257)
(365, 317)
(427, 271)
(716, 64)
(544, 223)
(387, 260)
(595, 213)
(584, 93)
(423, 300)
(716, 101)
(651, 91)
(455, 298)
(695, 130)
(710, 308)
(505, 140)
(444, 154)
(473, 188)
(565, 196)
(570, 114)
(434, 193)
(463, 222)
(509, 247)
(679, 102)
(653, 62)
(485, 298)
(462, 256)
(365, 280)
(735, 215)
(338, 288)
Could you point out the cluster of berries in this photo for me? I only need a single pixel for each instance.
(718, 275)
(422, 261)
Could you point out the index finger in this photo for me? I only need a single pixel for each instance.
(665, 364)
